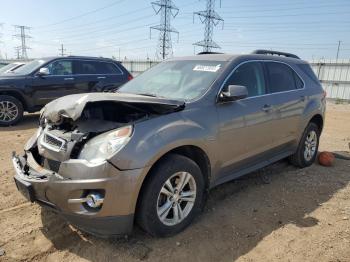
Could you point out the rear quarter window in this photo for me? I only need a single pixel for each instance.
(306, 68)
(282, 78)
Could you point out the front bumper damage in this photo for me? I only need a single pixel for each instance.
(74, 178)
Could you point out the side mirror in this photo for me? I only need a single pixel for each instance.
(233, 93)
(44, 71)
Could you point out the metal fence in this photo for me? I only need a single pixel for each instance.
(335, 77)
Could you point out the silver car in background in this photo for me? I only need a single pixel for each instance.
(149, 152)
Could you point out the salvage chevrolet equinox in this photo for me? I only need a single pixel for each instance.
(149, 152)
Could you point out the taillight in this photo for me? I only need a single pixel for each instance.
(130, 77)
(324, 93)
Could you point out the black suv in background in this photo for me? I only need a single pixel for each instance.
(35, 84)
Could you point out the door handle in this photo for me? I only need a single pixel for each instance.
(101, 77)
(69, 78)
(302, 98)
(266, 108)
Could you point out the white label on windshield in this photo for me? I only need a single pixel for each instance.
(206, 68)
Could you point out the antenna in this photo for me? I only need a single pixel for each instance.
(167, 9)
(23, 37)
(210, 18)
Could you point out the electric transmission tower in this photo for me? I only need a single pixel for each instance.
(23, 37)
(210, 18)
(167, 9)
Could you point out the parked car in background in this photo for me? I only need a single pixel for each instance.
(11, 67)
(151, 151)
(33, 85)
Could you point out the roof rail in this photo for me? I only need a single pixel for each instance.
(208, 53)
(270, 52)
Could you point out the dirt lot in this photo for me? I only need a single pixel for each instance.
(290, 215)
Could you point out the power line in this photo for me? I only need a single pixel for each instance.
(167, 9)
(82, 15)
(79, 27)
(210, 18)
(23, 37)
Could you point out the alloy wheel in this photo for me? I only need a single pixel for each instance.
(176, 198)
(310, 145)
(8, 111)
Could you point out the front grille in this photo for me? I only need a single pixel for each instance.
(54, 143)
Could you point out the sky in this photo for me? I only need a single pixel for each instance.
(310, 29)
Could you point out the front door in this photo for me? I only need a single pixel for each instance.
(245, 126)
(59, 82)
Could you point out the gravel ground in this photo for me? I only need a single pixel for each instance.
(279, 213)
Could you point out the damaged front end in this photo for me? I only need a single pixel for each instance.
(66, 162)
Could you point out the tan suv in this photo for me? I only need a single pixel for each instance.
(150, 152)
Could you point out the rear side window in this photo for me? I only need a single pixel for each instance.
(96, 68)
(282, 78)
(250, 75)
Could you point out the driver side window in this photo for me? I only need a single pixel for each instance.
(250, 75)
(60, 67)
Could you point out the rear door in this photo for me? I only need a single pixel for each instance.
(245, 125)
(110, 75)
(97, 76)
(288, 100)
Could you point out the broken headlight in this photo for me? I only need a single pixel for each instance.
(104, 146)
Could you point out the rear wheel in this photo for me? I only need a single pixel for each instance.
(171, 197)
(11, 110)
(307, 148)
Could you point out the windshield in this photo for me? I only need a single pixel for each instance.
(179, 80)
(6, 67)
(30, 67)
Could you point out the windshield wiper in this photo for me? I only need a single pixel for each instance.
(147, 94)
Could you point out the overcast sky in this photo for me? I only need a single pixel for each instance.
(310, 28)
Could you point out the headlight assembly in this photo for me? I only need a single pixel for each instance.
(104, 146)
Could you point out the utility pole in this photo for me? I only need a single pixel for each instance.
(62, 50)
(210, 18)
(18, 52)
(23, 37)
(339, 42)
(1, 24)
(167, 9)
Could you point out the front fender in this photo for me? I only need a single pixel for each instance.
(155, 137)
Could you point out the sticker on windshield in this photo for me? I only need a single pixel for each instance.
(207, 68)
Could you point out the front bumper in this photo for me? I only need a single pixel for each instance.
(74, 178)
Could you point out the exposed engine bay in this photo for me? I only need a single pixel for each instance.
(67, 125)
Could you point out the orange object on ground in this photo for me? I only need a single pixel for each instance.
(326, 158)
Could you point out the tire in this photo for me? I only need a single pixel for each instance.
(300, 158)
(11, 110)
(152, 202)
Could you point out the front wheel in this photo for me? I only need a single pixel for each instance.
(307, 148)
(171, 197)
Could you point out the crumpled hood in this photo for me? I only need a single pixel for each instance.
(72, 106)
